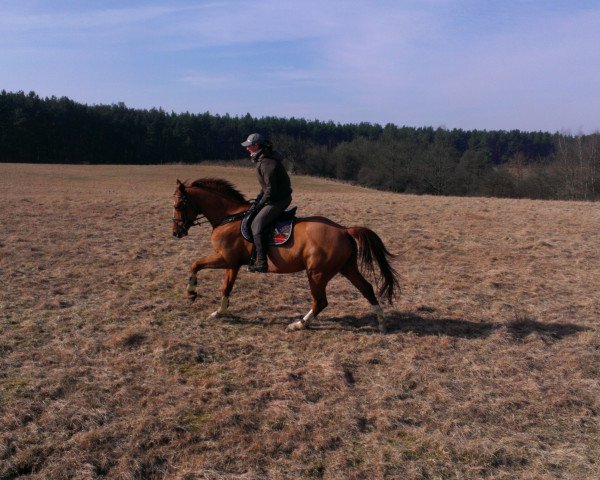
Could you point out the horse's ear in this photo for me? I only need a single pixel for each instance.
(180, 186)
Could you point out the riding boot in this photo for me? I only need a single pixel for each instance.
(260, 265)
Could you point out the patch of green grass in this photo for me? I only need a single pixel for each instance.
(12, 387)
(190, 370)
(193, 421)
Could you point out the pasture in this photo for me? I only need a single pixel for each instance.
(491, 367)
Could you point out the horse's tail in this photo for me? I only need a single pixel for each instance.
(370, 247)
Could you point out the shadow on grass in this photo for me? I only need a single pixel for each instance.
(522, 327)
(426, 325)
(429, 325)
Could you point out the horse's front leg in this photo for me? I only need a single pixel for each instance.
(212, 261)
(228, 281)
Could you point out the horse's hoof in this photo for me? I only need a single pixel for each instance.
(382, 328)
(191, 298)
(215, 315)
(299, 325)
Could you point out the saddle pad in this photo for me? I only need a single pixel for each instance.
(281, 231)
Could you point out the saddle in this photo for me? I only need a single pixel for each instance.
(278, 233)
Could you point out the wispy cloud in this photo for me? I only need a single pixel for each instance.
(206, 80)
(30, 22)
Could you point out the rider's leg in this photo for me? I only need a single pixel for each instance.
(267, 215)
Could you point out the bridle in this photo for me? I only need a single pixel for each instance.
(182, 205)
(182, 223)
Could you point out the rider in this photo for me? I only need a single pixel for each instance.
(274, 197)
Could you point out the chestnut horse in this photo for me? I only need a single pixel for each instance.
(318, 245)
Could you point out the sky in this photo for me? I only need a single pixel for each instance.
(530, 65)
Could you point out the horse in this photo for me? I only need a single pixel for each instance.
(318, 245)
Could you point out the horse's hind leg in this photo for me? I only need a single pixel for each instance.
(352, 273)
(318, 283)
(228, 281)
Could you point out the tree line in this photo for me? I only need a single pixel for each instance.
(422, 160)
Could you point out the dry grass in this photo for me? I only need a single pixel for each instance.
(491, 369)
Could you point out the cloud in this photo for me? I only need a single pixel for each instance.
(206, 80)
(95, 19)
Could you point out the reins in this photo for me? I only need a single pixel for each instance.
(233, 218)
(200, 218)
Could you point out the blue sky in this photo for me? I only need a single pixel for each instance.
(529, 65)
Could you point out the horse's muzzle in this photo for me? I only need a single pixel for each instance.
(180, 231)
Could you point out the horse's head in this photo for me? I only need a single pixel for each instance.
(213, 196)
(184, 213)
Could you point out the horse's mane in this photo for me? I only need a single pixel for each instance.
(220, 186)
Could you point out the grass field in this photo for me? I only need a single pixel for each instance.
(491, 368)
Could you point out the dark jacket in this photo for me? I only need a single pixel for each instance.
(274, 181)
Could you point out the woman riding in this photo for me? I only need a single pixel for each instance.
(274, 197)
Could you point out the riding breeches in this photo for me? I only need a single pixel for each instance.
(268, 214)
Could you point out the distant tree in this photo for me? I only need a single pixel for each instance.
(293, 149)
(576, 167)
(350, 156)
(437, 165)
(471, 170)
(318, 161)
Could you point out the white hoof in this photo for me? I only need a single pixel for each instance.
(299, 325)
(222, 311)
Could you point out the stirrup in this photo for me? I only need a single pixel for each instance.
(258, 267)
